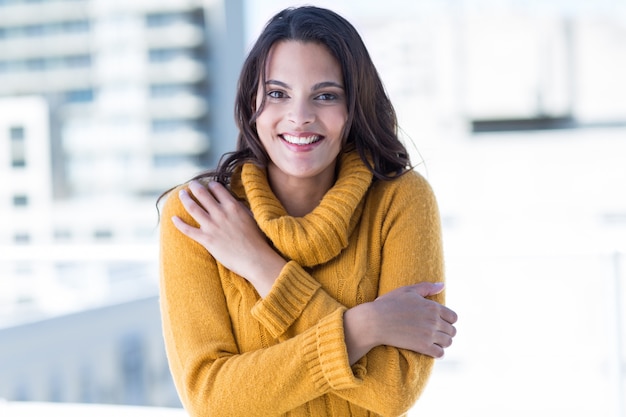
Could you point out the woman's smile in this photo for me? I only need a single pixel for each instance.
(302, 139)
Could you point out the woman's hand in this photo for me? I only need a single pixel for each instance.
(228, 231)
(403, 318)
(411, 321)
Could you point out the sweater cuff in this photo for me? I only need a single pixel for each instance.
(326, 355)
(291, 292)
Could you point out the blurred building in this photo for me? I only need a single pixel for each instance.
(104, 105)
(130, 86)
(64, 360)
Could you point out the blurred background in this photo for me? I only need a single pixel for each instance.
(515, 111)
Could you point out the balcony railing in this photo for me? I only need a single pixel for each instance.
(36, 409)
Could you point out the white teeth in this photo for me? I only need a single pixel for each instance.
(301, 140)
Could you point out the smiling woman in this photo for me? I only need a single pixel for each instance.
(304, 275)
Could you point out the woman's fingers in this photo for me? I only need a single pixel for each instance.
(410, 321)
(215, 200)
(448, 315)
(220, 193)
(206, 199)
(204, 208)
(199, 213)
(443, 339)
(200, 202)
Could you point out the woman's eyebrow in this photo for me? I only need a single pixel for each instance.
(318, 86)
(326, 84)
(279, 83)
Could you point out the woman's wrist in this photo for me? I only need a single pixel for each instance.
(360, 330)
(264, 274)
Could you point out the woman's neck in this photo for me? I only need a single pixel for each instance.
(299, 196)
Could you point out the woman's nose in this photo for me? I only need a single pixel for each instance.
(301, 112)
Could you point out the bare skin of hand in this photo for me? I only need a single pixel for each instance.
(228, 231)
(403, 318)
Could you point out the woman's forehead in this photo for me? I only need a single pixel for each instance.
(299, 60)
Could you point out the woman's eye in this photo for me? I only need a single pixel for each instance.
(326, 96)
(276, 94)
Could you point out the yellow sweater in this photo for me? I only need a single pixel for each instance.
(232, 353)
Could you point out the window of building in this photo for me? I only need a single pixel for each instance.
(34, 30)
(102, 234)
(7, 66)
(18, 146)
(165, 19)
(77, 61)
(131, 357)
(62, 235)
(23, 269)
(20, 200)
(88, 384)
(167, 54)
(55, 387)
(76, 26)
(46, 64)
(21, 238)
(79, 96)
(169, 161)
(36, 64)
(55, 63)
(17, 132)
(21, 392)
(45, 29)
(12, 2)
(169, 125)
(169, 90)
(12, 32)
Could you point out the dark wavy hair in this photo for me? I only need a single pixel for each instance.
(371, 127)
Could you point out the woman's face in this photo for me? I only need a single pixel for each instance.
(305, 111)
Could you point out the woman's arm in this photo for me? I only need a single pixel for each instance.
(213, 377)
(403, 318)
(411, 254)
(229, 233)
(411, 260)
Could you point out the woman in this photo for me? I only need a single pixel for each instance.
(303, 276)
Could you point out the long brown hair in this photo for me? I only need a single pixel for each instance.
(371, 127)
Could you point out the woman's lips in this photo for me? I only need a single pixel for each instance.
(306, 139)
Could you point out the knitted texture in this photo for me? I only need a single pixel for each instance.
(328, 225)
(233, 353)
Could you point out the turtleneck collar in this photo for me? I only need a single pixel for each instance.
(323, 233)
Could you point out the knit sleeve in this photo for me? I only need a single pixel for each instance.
(296, 302)
(291, 293)
(411, 253)
(212, 376)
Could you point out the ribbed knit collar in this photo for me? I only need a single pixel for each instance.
(323, 233)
